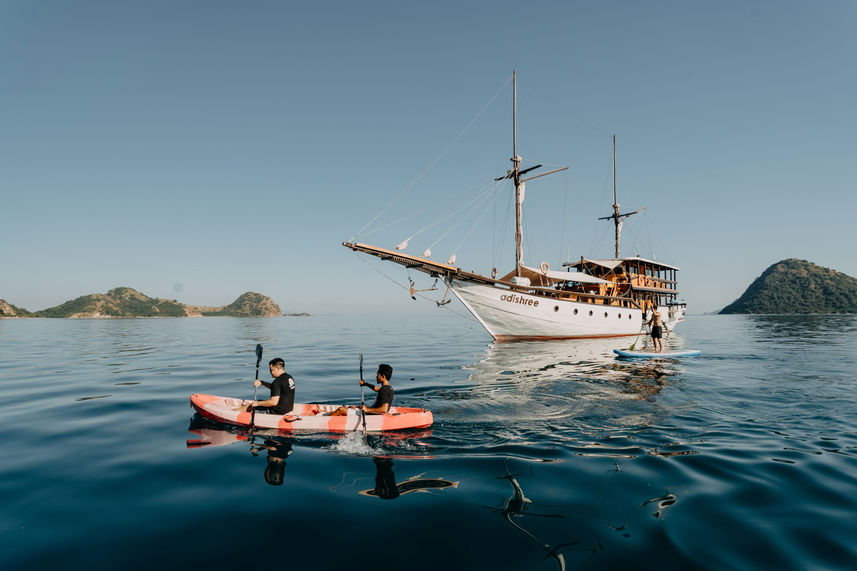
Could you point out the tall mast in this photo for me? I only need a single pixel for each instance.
(516, 175)
(616, 220)
(616, 217)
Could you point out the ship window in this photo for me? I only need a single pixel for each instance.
(556, 308)
(590, 313)
(605, 314)
(619, 316)
(629, 316)
(575, 312)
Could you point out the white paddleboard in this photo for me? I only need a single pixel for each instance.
(650, 355)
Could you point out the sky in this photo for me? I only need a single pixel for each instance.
(196, 150)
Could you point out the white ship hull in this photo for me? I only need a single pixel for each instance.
(508, 315)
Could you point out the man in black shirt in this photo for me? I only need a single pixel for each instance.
(384, 398)
(282, 399)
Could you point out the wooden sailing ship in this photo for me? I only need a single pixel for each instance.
(586, 299)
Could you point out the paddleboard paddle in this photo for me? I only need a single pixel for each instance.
(634, 344)
(258, 360)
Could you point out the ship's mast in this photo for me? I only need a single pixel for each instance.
(617, 224)
(616, 217)
(515, 174)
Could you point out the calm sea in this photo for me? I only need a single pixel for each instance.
(542, 455)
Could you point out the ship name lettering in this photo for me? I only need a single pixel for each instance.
(519, 299)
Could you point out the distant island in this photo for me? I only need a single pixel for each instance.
(798, 286)
(127, 302)
(9, 310)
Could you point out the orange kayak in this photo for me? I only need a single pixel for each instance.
(309, 416)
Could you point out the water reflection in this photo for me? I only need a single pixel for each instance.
(518, 505)
(543, 359)
(554, 382)
(210, 436)
(278, 446)
(386, 487)
(587, 360)
(810, 329)
(278, 450)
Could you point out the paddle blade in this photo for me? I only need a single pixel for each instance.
(258, 351)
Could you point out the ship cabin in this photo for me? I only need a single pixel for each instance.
(625, 282)
(645, 282)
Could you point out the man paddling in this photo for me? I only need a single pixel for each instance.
(657, 331)
(282, 399)
(384, 398)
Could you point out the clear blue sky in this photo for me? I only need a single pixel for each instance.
(198, 150)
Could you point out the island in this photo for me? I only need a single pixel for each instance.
(9, 310)
(123, 302)
(797, 286)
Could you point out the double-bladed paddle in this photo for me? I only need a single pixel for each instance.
(258, 360)
(362, 412)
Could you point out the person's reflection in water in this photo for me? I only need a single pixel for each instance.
(278, 451)
(385, 479)
(386, 487)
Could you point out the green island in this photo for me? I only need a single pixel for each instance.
(797, 286)
(124, 302)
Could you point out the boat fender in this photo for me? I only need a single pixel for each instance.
(493, 273)
(544, 267)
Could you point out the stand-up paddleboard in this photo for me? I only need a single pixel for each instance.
(309, 416)
(652, 355)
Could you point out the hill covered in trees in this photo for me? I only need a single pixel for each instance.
(127, 302)
(9, 310)
(798, 286)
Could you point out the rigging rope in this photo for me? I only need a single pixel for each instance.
(476, 223)
(445, 306)
(474, 205)
(496, 246)
(469, 204)
(584, 121)
(382, 227)
(448, 147)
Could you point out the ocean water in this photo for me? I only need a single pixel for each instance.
(542, 456)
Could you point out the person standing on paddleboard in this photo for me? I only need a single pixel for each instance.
(384, 398)
(282, 399)
(657, 331)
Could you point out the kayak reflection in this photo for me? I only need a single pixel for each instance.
(210, 435)
(386, 487)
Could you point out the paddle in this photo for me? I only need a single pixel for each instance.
(258, 360)
(634, 344)
(362, 412)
